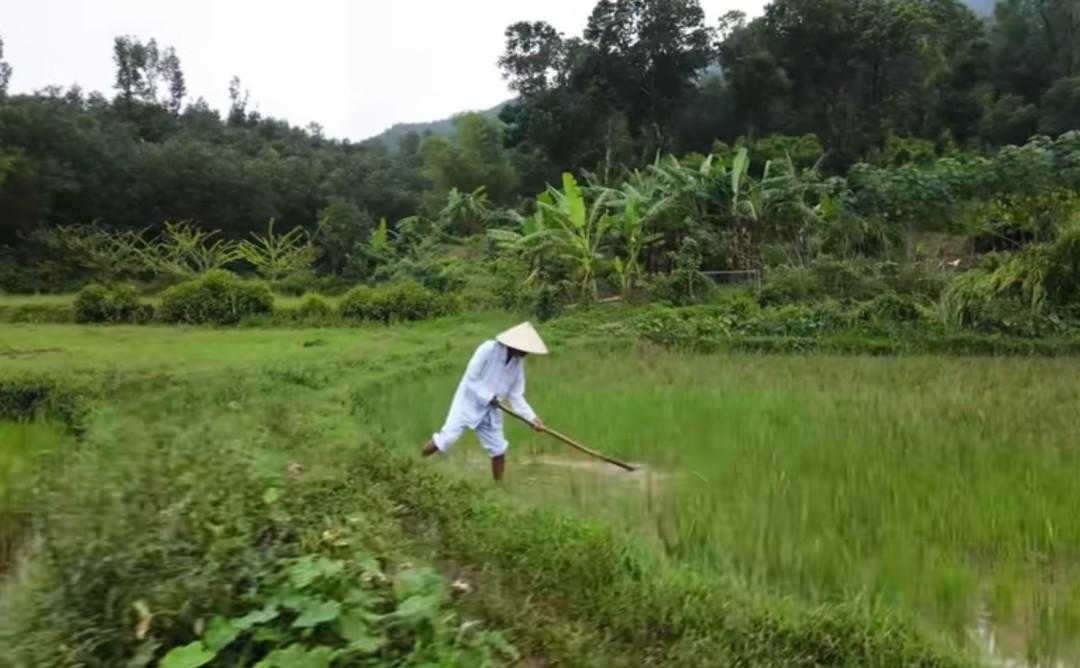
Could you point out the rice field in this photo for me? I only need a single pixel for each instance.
(24, 446)
(941, 488)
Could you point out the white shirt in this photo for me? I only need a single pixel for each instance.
(489, 375)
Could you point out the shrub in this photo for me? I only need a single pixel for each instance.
(785, 285)
(314, 307)
(685, 284)
(217, 297)
(97, 303)
(547, 306)
(888, 310)
(403, 301)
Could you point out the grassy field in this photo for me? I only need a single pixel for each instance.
(941, 486)
(794, 510)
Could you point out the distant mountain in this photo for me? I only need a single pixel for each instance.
(981, 7)
(442, 128)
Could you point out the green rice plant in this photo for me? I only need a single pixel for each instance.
(916, 484)
(24, 446)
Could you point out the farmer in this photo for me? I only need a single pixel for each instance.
(497, 369)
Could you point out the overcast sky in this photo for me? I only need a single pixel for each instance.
(356, 67)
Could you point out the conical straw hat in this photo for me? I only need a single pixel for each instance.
(523, 338)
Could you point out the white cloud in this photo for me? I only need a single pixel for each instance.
(356, 67)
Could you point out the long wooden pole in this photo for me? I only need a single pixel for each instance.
(569, 441)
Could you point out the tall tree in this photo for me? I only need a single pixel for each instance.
(171, 72)
(238, 101)
(535, 59)
(5, 71)
(474, 158)
(647, 54)
(1035, 43)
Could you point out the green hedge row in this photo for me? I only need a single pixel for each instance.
(222, 298)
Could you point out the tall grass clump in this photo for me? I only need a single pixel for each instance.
(217, 297)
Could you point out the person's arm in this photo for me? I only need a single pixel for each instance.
(474, 374)
(518, 403)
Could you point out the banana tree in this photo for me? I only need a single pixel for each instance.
(275, 256)
(532, 241)
(466, 213)
(639, 209)
(582, 228)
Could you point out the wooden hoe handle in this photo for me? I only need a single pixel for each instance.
(569, 441)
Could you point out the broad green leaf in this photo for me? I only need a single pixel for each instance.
(354, 628)
(369, 564)
(303, 572)
(316, 613)
(269, 613)
(417, 581)
(328, 568)
(271, 495)
(192, 655)
(368, 645)
(219, 633)
(417, 608)
(297, 656)
(575, 202)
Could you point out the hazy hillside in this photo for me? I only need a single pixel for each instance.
(445, 127)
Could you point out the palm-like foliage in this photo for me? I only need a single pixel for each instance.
(466, 213)
(275, 256)
(183, 251)
(638, 208)
(581, 227)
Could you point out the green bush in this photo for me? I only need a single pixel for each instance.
(785, 285)
(401, 302)
(685, 284)
(217, 297)
(43, 396)
(314, 307)
(117, 303)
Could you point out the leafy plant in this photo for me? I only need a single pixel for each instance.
(465, 213)
(217, 297)
(98, 303)
(183, 250)
(639, 210)
(399, 302)
(582, 228)
(275, 256)
(104, 254)
(318, 611)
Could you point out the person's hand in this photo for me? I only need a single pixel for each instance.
(538, 424)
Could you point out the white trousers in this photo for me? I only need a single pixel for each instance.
(489, 431)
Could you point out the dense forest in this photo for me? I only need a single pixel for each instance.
(839, 129)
